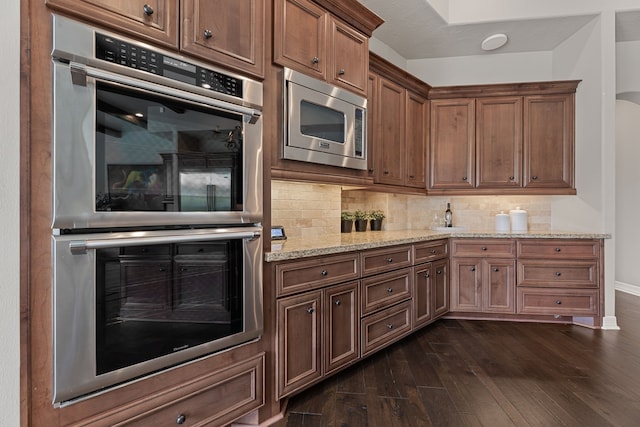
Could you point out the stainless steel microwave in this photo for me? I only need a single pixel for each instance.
(323, 123)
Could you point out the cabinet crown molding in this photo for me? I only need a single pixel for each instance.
(504, 89)
(381, 66)
(353, 13)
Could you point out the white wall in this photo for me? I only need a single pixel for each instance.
(9, 212)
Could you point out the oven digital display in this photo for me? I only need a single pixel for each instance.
(130, 55)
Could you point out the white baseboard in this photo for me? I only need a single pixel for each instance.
(628, 288)
(610, 323)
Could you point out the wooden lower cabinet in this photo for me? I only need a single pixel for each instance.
(440, 288)
(483, 285)
(430, 292)
(317, 334)
(385, 326)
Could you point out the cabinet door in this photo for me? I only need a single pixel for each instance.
(440, 288)
(499, 286)
(349, 52)
(154, 20)
(342, 323)
(300, 36)
(230, 33)
(499, 142)
(389, 148)
(422, 289)
(466, 284)
(299, 334)
(549, 141)
(452, 158)
(416, 128)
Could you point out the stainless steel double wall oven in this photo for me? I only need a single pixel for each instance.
(157, 209)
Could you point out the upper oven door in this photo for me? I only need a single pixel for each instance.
(130, 150)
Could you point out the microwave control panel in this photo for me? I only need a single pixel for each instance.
(134, 56)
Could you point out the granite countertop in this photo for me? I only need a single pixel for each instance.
(282, 250)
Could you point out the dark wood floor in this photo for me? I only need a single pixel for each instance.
(476, 373)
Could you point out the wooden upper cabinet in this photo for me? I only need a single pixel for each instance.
(349, 54)
(549, 141)
(499, 142)
(300, 40)
(152, 20)
(416, 136)
(230, 33)
(309, 39)
(389, 150)
(452, 153)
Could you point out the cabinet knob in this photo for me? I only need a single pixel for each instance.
(438, 271)
(464, 178)
(181, 419)
(558, 274)
(386, 172)
(389, 290)
(484, 248)
(315, 60)
(389, 259)
(183, 269)
(433, 251)
(412, 176)
(389, 326)
(473, 269)
(558, 249)
(558, 302)
(337, 302)
(427, 275)
(495, 269)
(162, 269)
(511, 178)
(207, 34)
(534, 177)
(324, 272)
(310, 310)
(148, 10)
(341, 72)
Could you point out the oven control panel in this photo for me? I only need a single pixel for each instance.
(131, 55)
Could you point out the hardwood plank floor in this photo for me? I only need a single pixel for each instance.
(480, 373)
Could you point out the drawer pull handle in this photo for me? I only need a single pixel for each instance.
(389, 326)
(438, 271)
(310, 310)
(534, 177)
(148, 10)
(341, 72)
(315, 60)
(464, 178)
(389, 259)
(337, 302)
(558, 274)
(389, 290)
(473, 269)
(181, 419)
(558, 249)
(484, 248)
(511, 178)
(207, 34)
(558, 302)
(427, 275)
(324, 272)
(433, 251)
(496, 269)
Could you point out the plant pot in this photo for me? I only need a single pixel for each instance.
(361, 225)
(376, 224)
(346, 225)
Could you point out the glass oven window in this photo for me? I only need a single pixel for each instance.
(156, 153)
(155, 300)
(322, 122)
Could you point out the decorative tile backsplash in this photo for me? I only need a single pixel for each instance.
(314, 209)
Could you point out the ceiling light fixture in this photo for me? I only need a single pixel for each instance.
(494, 42)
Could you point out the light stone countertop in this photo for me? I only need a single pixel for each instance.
(290, 249)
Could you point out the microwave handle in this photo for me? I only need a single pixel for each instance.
(79, 72)
(79, 247)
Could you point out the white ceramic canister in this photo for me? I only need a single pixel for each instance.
(518, 220)
(502, 223)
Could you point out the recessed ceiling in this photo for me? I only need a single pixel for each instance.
(416, 31)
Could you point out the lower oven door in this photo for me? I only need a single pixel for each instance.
(132, 303)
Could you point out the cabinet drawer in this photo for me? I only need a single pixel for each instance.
(386, 259)
(485, 248)
(297, 276)
(385, 326)
(384, 290)
(215, 399)
(558, 249)
(564, 302)
(573, 274)
(425, 252)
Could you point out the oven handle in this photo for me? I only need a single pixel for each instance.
(79, 247)
(78, 71)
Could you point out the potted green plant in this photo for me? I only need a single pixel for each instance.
(361, 218)
(346, 221)
(376, 218)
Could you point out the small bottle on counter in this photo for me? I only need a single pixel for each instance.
(448, 216)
